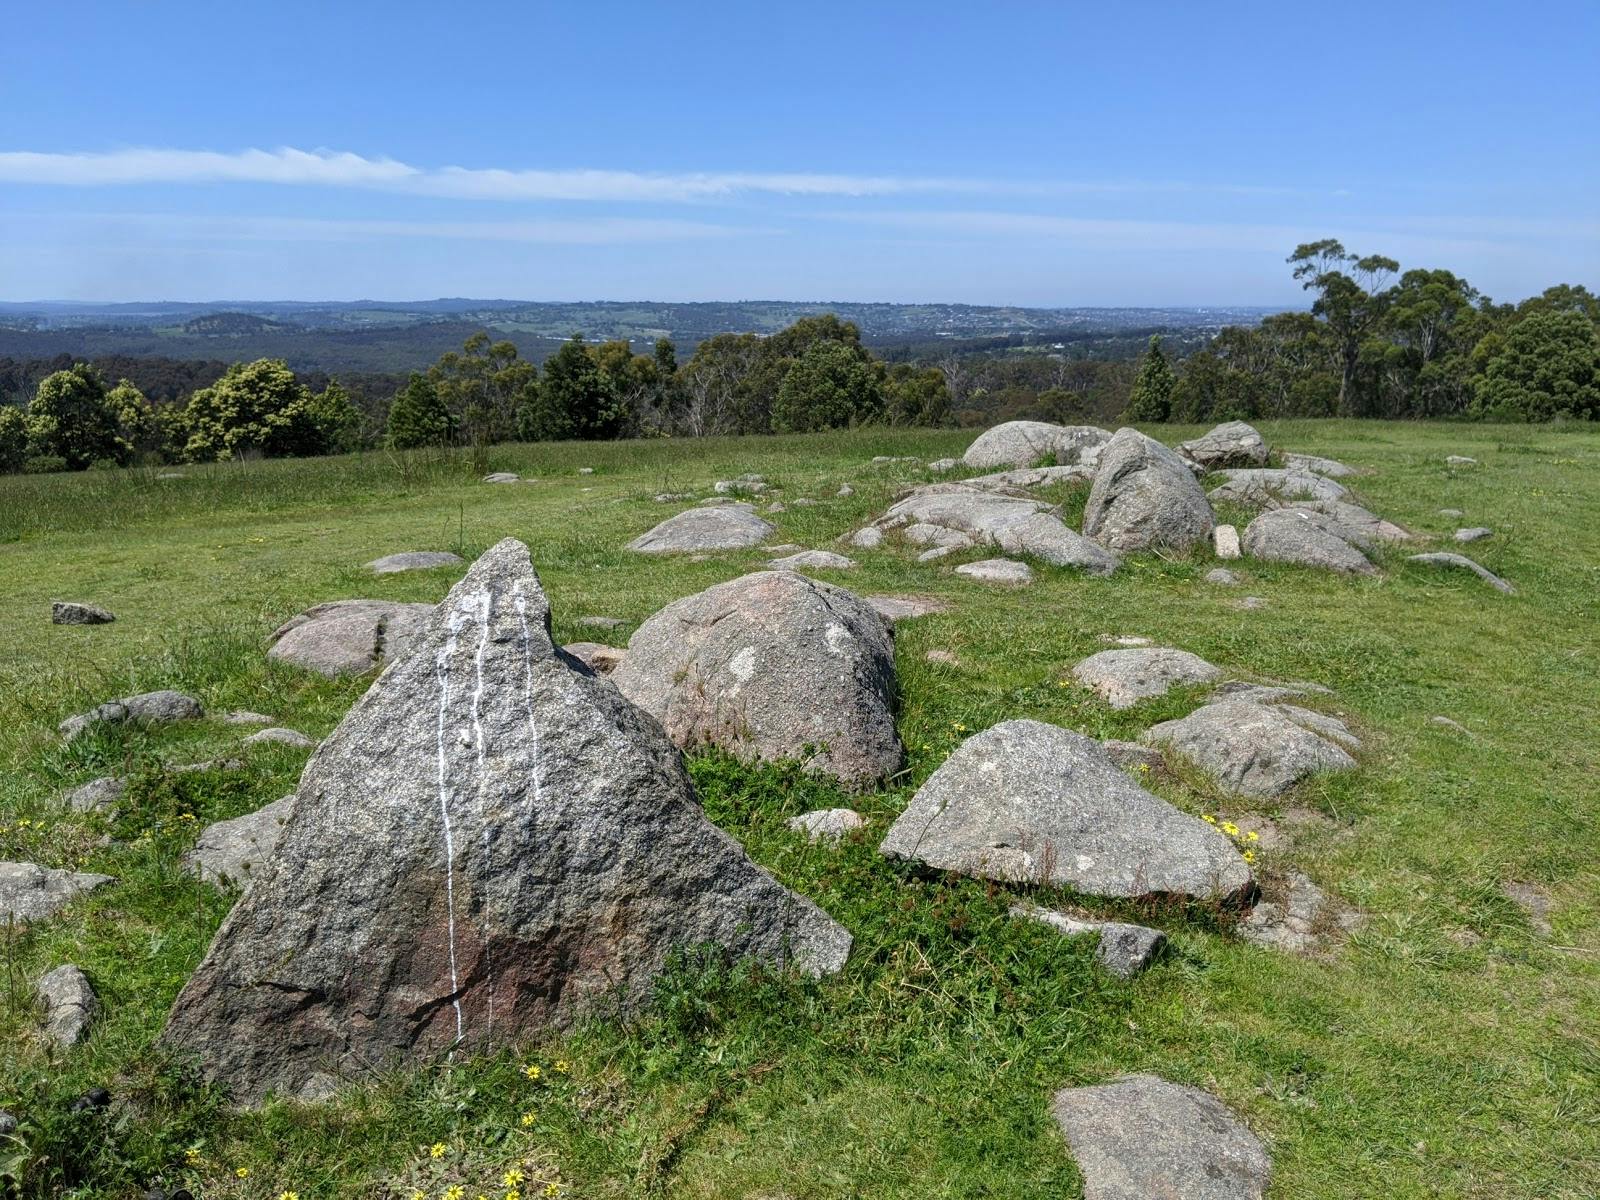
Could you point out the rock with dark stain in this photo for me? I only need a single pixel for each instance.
(348, 637)
(492, 843)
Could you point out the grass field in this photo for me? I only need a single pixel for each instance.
(1447, 1049)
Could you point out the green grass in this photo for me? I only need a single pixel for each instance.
(1445, 1050)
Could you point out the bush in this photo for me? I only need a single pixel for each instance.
(44, 464)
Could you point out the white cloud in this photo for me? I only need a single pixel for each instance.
(287, 166)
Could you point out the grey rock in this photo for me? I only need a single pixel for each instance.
(804, 502)
(1142, 1138)
(745, 483)
(1475, 534)
(1250, 603)
(880, 459)
(1297, 918)
(869, 538)
(8, 1123)
(69, 1004)
(1447, 723)
(491, 844)
(1270, 485)
(845, 490)
(728, 527)
(774, 665)
(348, 637)
(69, 612)
(1123, 678)
(415, 560)
(669, 497)
(813, 560)
(1144, 496)
(1131, 756)
(1232, 444)
(171, 475)
(585, 470)
(1355, 518)
(281, 737)
(1267, 693)
(1222, 577)
(777, 506)
(1023, 443)
(1463, 563)
(1007, 572)
(1460, 460)
(1033, 477)
(1026, 802)
(95, 796)
(936, 553)
(827, 824)
(961, 515)
(233, 852)
(906, 608)
(1225, 542)
(1126, 639)
(1307, 539)
(147, 708)
(1250, 749)
(942, 657)
(941, 465)
(1124, 949)
(1329, 468)
(240, 716)
(29, 892)
(1452, 513)
(502, 477)
(599, 658)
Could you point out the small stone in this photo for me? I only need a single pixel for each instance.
(1124, 949)
(69, 1004)
(1142, 1138)
(869, 538)
(1447, 723)
(601, 622)
(8, 1123)
(777, 506)
(585, 470)
(68, 612)
(1299, 919)
(813, 560)
(1532, 901)
(95, 796)
(415, 560)
(1007, 572)
(1452, 513)
(1123, 678)
(906, 608)
(936, 552)
(502, 477)
(1126, 639)
(827, 824)
(669, 497)
(941, 465)
(942, 657)
(147, 708)
(240, 716)
(1225, 541)
(745, 483)
(29, 892)
(845, 490)
(1460, 460)
(880, 459)
(282, 737)
(1475, 534)
(598, 657)
(1461, 562)
(1250, 603)
(804, 502)
(1222, 577)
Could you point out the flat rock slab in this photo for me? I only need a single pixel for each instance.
(813, 560)
(774, 665)
(282, 737)
(1298, 918)
(1461, 562)
(1023, 443)
(1225, 542)
(1123, 678)
(1232, 444)
(348, 637)
(1330, 468)
(958, 514)
(69, 1004)
(502, 477)
(1142, 1138)
(97, 795)
(1124, 949)
(1459, 460)
(1144, 497)
(491, 844)
(1271, 485)
(1308, 539)
(233, 852)
(1356, 518)
(1026, 802)
(1250, 749)
(1033, 477)
(1007, 572)
(906, 608)
(598, 657)
(29, 892)
(722, 527)
(1222, 577)
(1474, 534)
(147, 708)
(69, 612)
(240, 716)
(415, 560)
(827, 824)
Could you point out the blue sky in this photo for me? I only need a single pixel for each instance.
(1027, 153)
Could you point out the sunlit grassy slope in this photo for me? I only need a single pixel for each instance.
(1448, 1049)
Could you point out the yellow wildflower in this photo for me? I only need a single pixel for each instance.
(1229, 828)
(1252, 836)
(1209, 819)
(454, 1192)
(192, 1156)
(532, 1071)
(527, 1120)
(563, 1065)
(436, 1150)
(512, 1177)
(1249, 856)
(552, 1189)
(288, 1196)
(243, 1172)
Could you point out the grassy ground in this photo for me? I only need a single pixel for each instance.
(1448, 1049)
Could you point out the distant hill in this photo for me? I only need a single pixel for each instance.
(233, 324)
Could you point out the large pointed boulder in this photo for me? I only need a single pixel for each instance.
(492, 842)
(1144, 496)
(1027, 802)
(773, 665)
(1024, 443)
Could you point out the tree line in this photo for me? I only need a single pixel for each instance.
(1378, 343)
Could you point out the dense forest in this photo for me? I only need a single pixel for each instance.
(1375, 343)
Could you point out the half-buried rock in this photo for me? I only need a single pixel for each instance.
(1145, 496)
(1125, 677)
(1026, 802)
(725, 527)
(772, 666)
(1308, 539)
(491, 843)
(1233, 444)
(348, 637)
(1257, 749)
